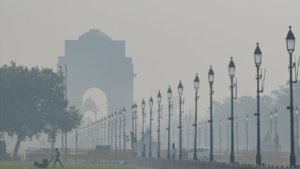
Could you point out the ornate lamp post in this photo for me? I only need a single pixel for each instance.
(169, 124)
(297, 136)
(211, 81)
(180, 90)
(132, 133)
(231, 69)
(124, 125)
(105, 122)
(116, 122)
(220, 132)
(151, 118)
(196, 86)
(227, 131)
(199, 144)
(120, 126)
(158, 118)
(247, 130)
(135, 134)
(205, 133)
(290, 44)
(257, 60)
(237, 133)
(271, 122)
(112, 130)
(276, 135)
(143, 121)
(108, 130)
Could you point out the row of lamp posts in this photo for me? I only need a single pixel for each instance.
(290, 41)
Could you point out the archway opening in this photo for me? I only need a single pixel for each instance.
(94, 103)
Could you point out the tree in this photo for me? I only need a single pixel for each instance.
(282, 100)
(32, 101)
(243, 106)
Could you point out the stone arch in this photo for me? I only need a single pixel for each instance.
(95, 100)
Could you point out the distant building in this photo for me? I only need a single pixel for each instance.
(267, 144)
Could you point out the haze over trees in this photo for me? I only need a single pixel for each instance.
(33, 102)
(279, 99)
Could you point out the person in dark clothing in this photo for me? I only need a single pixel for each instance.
(58, 157)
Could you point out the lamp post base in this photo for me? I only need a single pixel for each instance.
(292, 160)
(211, 157)
(195, 156)
(258, 159)
(231, 158)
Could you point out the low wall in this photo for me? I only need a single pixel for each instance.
(190, 164)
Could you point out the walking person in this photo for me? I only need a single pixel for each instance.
(58, 157)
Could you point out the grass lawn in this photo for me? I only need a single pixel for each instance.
(29, 165)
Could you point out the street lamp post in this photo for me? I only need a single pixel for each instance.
(159, 115)
(297, 134)
(120, 126)
(231, 69)
(180, 90)
(105, 122)
(151, 118)
(143, 121)
(290, 44)
(124, 125)
(108, 128)
(257, 60)
(271, 122)
(116, 122)
(132, 133)
(237, 133)
(211, 81)
(112, 130)
(135, 134)
(276, 135)
(247, 129)
(169, 124)
(220, 132)
(196, 86)
(205, 133)
(227, 131)
(199, 135)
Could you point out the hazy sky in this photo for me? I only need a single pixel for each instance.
(169, 40)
